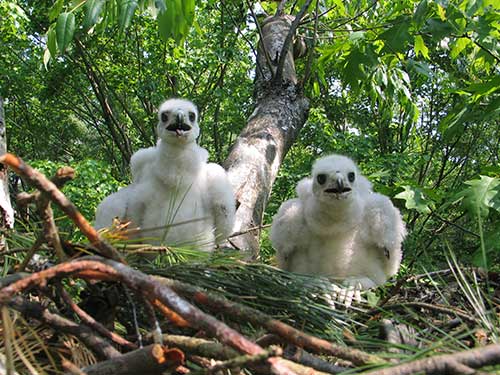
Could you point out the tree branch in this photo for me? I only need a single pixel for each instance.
(152, 359)
(150, 288)
(39, 181)
(288, 41)
(447, 363)
(307, 72)
(256, 317)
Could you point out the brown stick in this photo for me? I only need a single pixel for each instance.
(34, 310)
(152, 359)
(106, 269)
(71, 368)
(39, 181)
(200, 347)
(447, 363)
(170, 315)
(256, 317)
(91, 322)
(245, 360)
(304, 358)
(288, 41)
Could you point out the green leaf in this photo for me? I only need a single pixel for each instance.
(55, 10)
(127, 9)
(65, 29)
(177, 20)
(415, 199)
(396, 38)
(488, 87)
(481, 195)
(165, 23)
(421, 12)
(453, 122)
(459, 46)
(421, 68)
(438, 29)
(441, 12)
(188, 12)
(51, 41)
(420, 47)
(93, 9)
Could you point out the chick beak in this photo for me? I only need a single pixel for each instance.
(179, 121)
(340, 182)
(178, 118)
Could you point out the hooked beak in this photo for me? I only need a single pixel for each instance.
(338, 187)
(179, 126)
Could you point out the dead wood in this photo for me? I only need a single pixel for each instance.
(102, 269)
(92, 323)
(50, 233)
(456, 363)
(290, 334)
(150, 360)
(200, 347)
(304, 358)
(246, 360)
(60, 324)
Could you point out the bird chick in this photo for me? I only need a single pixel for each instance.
(176, 196)
(338, 227)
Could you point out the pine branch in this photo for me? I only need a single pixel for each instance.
(299, 338)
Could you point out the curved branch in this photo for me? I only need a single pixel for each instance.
(87, 335)
(288, 41)
(41, 182)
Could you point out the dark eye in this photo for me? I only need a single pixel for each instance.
(321, 178)
(164, 116)
(351, 176)
(192, 116)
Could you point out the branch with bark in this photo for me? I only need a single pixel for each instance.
(38, 180)
(458, 363)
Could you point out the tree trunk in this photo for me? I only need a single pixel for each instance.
(280, 112)
(6, 211)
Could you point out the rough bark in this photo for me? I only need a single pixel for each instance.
(6, 211)
(280, 112)
(152, 359)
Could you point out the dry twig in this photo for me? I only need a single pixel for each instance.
(456, 363)
(46, 186)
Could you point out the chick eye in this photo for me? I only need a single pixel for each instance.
(164, 116)
(192, 116)
(321, 178)
(351, 176)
